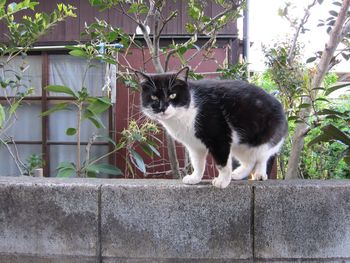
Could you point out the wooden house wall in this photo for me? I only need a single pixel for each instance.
(69, 30)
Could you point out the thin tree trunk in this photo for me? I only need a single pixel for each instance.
(78, 167)
(336, 35)
(174, 164)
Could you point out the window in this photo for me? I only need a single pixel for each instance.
(34, 134)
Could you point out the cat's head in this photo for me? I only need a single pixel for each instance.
(163, 94)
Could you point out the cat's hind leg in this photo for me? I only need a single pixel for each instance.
(260, 169)
(198, 159)
(243, 171)
(263, 156)
(246, 158)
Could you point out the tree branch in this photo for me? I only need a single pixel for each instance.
(217, 17)
(335, 37)
(303, 21)
(166, 21)
(346, 29)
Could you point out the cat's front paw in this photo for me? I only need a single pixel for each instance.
(220, 182)
(259, 176)
(191, 179)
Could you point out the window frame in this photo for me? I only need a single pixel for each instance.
(45, 99)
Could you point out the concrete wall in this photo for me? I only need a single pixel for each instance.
(71, 220)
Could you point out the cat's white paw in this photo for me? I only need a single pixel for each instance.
(238, 176)
(259, 176)
(221, 182)
(191, 179)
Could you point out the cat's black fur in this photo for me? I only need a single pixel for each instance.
(228, 118)
(222, 105)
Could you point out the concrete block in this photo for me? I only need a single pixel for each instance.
(166, 220)
(24, 258)
(302, 219)
(48, 217)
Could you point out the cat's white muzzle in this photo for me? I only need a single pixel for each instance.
(167, 114)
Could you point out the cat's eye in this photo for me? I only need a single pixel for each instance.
(154, 97)
(172, 96)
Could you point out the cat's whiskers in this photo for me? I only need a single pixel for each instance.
(154, 86)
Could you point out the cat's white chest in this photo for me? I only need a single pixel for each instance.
(182, 126)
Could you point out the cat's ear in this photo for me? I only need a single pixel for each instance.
(183, 74)
(141, 77)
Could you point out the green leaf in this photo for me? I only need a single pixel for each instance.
(57, 107)
(329, 133)
(97, 122)
(318, 88)
(329, 111)
(322, 99)
(94, 119)
(2, 116)
(293, 118)
(60, 89)
(71, 131)
(104, 169)
(65, 169)
(112, 36)
(149, 149)
(78, 53)
(107, 138)
(333, 13)
(95, 2)
(146, 150)
(190, 28)
(312, 59)
(334, 88)
(138, 161)
(304, 105)
(154, 149)
(99, 105)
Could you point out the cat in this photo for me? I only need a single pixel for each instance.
(227, 118)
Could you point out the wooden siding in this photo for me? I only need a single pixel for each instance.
(69, 30)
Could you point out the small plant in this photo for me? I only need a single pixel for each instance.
(238, 71)
(34, 161)
(140, 137)
(88, 108)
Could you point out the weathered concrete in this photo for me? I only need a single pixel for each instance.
(48, 217)
(302, 219)
(163, 221)
(176, 221)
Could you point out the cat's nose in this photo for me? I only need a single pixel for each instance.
(163, 106)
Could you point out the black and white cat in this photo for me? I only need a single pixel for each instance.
(227, 118)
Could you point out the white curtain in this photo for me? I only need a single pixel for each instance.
(28, 69)
(70, 71)
(27, 127)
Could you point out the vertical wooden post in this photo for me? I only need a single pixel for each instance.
(45, 119)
